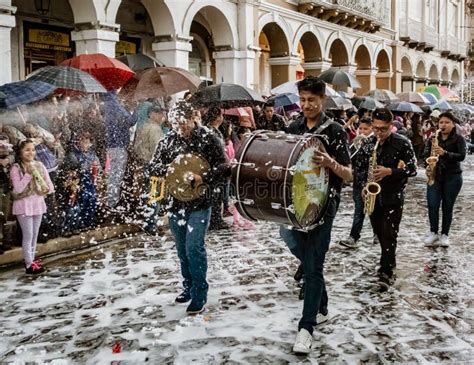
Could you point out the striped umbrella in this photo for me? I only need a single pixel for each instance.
(69, 78)
(413, 97)
(441, 92)
(24, 92)
(432, 99)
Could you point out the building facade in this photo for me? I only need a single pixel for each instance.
(392, 44)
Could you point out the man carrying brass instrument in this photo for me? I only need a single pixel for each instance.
(395, 162)
(189, 219)
(310, 247)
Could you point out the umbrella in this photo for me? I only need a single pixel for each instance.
(67, 78)
(345, 95)
(24, 92)
(403, 106)
(2, 95)
(366, 102)
(337, 103)
(111, 73)
(227, 96)
(335, 76)
(238, 112)
(139, 62)
(292, 88)
(285, 99)
(382, 95)
(441, 92)
(432, 99)
(164, 81)
(442, 105)
(413, 97)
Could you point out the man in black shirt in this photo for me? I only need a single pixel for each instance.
(395, 163)
(269, 120)
(310, 247)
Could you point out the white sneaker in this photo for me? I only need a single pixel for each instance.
(349, 242)
(431, 238)
(444, 241)
(321, 318)
(303, 342)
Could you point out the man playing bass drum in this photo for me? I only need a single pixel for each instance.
(395, 163)
(311, 247)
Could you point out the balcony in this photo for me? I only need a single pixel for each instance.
(366, 17)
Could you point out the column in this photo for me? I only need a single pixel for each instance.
(367, 80)
(174, 53)
(408, 84)
(7, 22)
(420, 82)
(283, 69)
(95, 41)
(397, 83)
(315, 68)
(235, 67)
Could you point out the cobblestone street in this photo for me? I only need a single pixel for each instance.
(123, 295)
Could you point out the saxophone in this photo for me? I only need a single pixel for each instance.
(371, 189)
(432, 160)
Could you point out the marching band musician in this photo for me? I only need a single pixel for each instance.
(395, 163)
(451, 150)
(189, 221)
(310, 247)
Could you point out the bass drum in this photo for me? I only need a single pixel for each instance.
(275, 179)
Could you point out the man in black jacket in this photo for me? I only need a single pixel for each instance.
(310, 247)
(189, 221)
(395, 163)
(269, 120)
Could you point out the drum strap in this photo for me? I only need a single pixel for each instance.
(323, 126)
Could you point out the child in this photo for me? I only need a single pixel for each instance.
(31, 183)
(364, 130)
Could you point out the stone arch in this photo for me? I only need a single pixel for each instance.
(420, 69)
(276, 61)
(217, 16)
(383, 78)
(445, 73)
(311, 53)
(362, 57)
(455, 76)
(337, 46)
(383, 58)
(86, 11)
(433, 73)
(279, 22)
(358, 49)
(407, 74)
(161, 17)
(308, 32)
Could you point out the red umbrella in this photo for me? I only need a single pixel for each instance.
(112, 73)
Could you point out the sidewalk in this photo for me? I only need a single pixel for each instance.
(62, 244)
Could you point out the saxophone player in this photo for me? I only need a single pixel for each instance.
(395, 163)
(445, 179)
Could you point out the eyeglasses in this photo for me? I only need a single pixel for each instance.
(380, 129)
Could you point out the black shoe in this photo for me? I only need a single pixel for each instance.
(301, 294)
(299, 273)
(184, 297)
(386, 281)
(195, 308)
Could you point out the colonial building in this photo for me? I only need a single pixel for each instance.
(394, 44)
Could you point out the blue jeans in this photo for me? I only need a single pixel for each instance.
(443, 194)
(189, 230)
(359, 215)
(310, 248)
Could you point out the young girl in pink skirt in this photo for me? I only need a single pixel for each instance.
(31, 183)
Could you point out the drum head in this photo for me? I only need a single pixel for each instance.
(310, 187)
(177, 181)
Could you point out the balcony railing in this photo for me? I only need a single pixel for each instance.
(376, 9)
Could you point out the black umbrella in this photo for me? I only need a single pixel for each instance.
(227, 96)
(67, 78)
(337, 103)
(335, 76)
(366, 102)
(139, 62)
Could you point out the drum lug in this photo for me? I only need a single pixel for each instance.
(248, 202)
(276, 206)
(244, 164)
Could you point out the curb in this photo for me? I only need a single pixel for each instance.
(62, 244)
